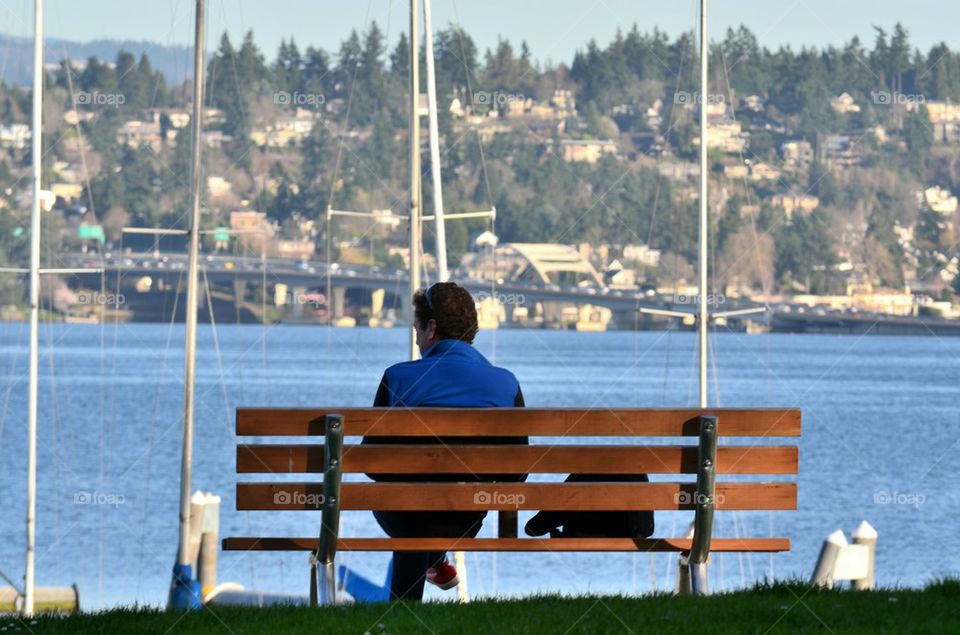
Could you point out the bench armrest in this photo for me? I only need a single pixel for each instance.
(706, 491)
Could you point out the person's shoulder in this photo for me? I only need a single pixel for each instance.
(401, 368)
(506, 374)
(410, 369)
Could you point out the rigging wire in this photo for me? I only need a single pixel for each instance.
(764, 282)
(676, 89)
(10, 380)
(68, 73)
(55, 411)
(161, 364)
(151, 437)
(468, 72)
(216, 347)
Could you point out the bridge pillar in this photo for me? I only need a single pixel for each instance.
(298, 300)
(489, 311)
(280, 294)
(627, 318)
(552, 313)
(592, 318)
(508, 308)
(239, 292)
(338, 301)
(376, 302)
(201, 298)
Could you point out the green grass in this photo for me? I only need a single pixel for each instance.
(784, 607)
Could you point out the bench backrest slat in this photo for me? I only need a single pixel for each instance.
(500, 459)
(512, 496)
(449, 422)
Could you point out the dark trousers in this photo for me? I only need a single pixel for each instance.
(410, 567)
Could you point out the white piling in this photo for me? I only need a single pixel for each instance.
(866, 535)
(826, 562)
(197, 509)
(209, 543)
(684, 583)
(460, 561)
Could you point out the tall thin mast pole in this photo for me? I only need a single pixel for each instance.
(36, 149)
(190, 344)
(414, 161)
(703, 321)
(442, 273)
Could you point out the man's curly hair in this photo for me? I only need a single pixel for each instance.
(453, 308)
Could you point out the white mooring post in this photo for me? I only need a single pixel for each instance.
(823, 573)
(866, 536)
(855, 562)
(206, 519)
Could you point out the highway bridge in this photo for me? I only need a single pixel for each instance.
(299, 291)
(370, 291)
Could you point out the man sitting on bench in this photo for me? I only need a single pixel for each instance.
(451, 373)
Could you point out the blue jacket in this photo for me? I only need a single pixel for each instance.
(451, 374)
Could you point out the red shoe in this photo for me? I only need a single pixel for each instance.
(444, 575)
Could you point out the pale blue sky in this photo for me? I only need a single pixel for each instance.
(554, 29)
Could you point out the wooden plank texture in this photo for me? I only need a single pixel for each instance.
(500, 459)
(450, 422)
(512, 496)
(506, 544)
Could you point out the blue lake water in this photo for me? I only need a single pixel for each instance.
(881, 427)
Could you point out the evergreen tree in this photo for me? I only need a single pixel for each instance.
(316, 78)
(288, 69)
(805, 251)
(919, 137)
(222, 88)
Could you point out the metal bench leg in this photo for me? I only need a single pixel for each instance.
(703, 505)
(326, 583)
(325, 557)
(698, 578)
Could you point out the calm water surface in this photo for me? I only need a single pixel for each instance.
(881, 426)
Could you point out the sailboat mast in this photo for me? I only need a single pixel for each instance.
(190, 344)
(414, 162)
(36, 150)
(703, 318)
(442, 272)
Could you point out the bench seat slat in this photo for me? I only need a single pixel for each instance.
(784, 422)
(500, 459)
(507, 544)
(510, 496)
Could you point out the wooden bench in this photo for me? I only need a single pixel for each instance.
(565, 453)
